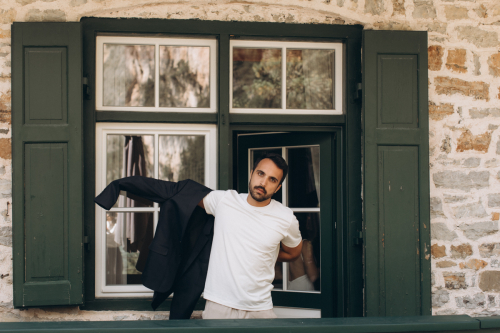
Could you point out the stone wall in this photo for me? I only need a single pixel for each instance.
(464, 93)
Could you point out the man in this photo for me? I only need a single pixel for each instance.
(251, 232)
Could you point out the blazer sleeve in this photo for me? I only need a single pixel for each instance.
(147, 188)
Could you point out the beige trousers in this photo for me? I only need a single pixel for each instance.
(218, 311)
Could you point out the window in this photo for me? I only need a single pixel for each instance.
(169, 152)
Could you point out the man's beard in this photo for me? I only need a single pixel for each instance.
(258, 196)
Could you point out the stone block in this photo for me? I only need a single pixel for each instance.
(5, 148)
(440, 231)
(490, 281)
(494, 200)
(476, 113)
(76, 3)
(475, 264)
(472, 162)
(435, 56)
(446, 312)
(474, 231)
(494, 64)
(495, 216)
(434, 26)
(7, 16)
(468, 302)
(440, 297)
(461, 251)
(468, 141)
(456, 60)
(374, 7)
(49, 15)
(449, 86)
(477, 36)
(424, 9)
(398, 7)
(477, 64)
(438, 251)
(455, 13)
(454, 198)
(438, 112)
(454, 280)
(6, 236)
(461, 180)
(446, 145)
(469, 210)
(445, 264)
(481, 11)
(488, 250)
(493, 163)
(436, 208)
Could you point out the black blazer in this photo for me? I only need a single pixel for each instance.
(179, 253)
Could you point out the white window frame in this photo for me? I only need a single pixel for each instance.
(338, 79)
(157, 42)
(102, 130)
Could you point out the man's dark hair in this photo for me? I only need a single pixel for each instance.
(277, 160)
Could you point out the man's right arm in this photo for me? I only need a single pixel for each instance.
(201, 204)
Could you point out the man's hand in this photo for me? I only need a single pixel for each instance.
(289, 253)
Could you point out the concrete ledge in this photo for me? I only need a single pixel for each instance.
(341, 325)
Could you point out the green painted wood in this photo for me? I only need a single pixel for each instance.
(322, 120)
(326, 300)
(490, 322)
(155, 117)
(444, 324)
(398, 216)
(47, 164)
(45, 103)
(348, 147)
(396, 148)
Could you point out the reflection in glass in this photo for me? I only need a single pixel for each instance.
(304, 272)
(182, 157)
(309, 79)
(256, 78)
(256, 153)
(128, 236)
(128, 75)
(184, 76)
(129, 155)
(303, 177)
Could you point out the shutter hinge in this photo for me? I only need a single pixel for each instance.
(86, 88)
(86, 243)
(359, 91)
(358, 239)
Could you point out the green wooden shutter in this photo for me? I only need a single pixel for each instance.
(47, 164)
(396, 173)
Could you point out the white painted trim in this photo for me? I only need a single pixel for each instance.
(156, 41)
(103, 129)
(338, 79)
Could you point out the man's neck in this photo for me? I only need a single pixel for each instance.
(256, 203)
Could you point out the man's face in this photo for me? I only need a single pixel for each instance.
(265, 180)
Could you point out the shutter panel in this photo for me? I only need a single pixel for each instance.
(47, 164)
(396, 173)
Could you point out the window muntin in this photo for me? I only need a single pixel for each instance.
(156, 74)
(286, 77)
(161, 151)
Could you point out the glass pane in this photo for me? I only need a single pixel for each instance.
(129, 75)
(303, 177)
(304, 272)
(255, 154)
(185, 76)
(309, 79)
(128, 236)
(182, 157)
(129, 155)
(256, 78)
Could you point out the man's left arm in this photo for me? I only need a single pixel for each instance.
(289, 253)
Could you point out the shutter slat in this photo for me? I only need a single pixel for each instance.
(47, 162)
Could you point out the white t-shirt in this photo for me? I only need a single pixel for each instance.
(245, 248)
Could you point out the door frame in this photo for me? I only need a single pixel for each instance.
(339, 258)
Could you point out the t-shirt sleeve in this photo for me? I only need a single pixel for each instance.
(292, 237)
(212, 200)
